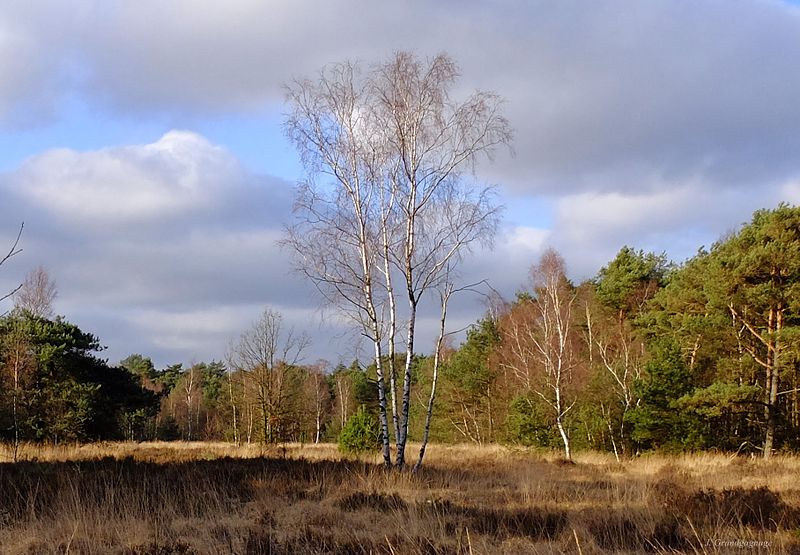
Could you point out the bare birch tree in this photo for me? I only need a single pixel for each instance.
(266, 355)
(191, 390)
(539, 343)
(395, 150)
(37, 293)
(318, 397)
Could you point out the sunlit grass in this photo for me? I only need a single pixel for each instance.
(159, 498)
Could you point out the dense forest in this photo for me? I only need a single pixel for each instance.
(646, 355)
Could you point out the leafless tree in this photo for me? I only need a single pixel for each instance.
(191, 392)
(394, 150)
(539, 343)
(614, 349)
(266, 355)
(37, 293)
(318, 397)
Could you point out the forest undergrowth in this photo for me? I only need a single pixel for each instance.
(215, 498)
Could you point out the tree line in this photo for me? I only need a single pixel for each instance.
(646, 355)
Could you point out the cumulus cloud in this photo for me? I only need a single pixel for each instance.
(180, 174)
(172, 242)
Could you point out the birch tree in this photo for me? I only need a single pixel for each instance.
(617, 297)
(36, 294)
(389, 203)
(539, 341)
(266, 355)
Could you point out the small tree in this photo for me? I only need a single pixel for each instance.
(266, 355)
(539, 344)
(361, 434)
(37, 293)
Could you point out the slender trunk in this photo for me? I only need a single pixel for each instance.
(795, 401)
(250, 424)
(264, 414)
(376, 332)
(436, 360)
(15, 401)
(408, 260)
(769, 432)
(564, 438)
(233, 410)
(16, 427)
(607, 418)
(560, 412)
(693, 356)
(342, 402)
(590, 339)
(773, 379)
(387, 453)
(489, 412)
(319, 428)
(401, 444)
(387, 272)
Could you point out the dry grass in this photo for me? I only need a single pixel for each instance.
(163, 498)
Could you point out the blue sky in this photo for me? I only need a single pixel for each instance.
(141, 143)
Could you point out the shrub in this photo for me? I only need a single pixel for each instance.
(361, 433)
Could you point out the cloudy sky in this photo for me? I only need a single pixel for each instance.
(141, 143)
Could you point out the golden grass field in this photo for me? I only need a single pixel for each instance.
(215, 498)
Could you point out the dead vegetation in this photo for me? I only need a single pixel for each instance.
(159, 499)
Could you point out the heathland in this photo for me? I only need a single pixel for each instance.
(162, 498)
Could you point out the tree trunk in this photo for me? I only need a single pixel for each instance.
(384, 422)
(564, 439)
(400, 460)
(436, 360)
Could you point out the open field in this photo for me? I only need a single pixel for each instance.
(163, 498)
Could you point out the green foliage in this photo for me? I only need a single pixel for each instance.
(167, 429)
(734, 313)
(139, 365)
(469, 367)
(170, 376)
(468, 379)
(528, 424)
(656, 422)
(630, 278)
(70, 393)
(213, 381)
(728, 413)
(361, 434)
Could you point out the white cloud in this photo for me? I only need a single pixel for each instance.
(676, 218)
(178, 174)
(162, 245)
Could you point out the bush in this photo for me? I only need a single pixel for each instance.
(526, 424)
(361, 433)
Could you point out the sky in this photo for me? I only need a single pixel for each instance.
(142, 145)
